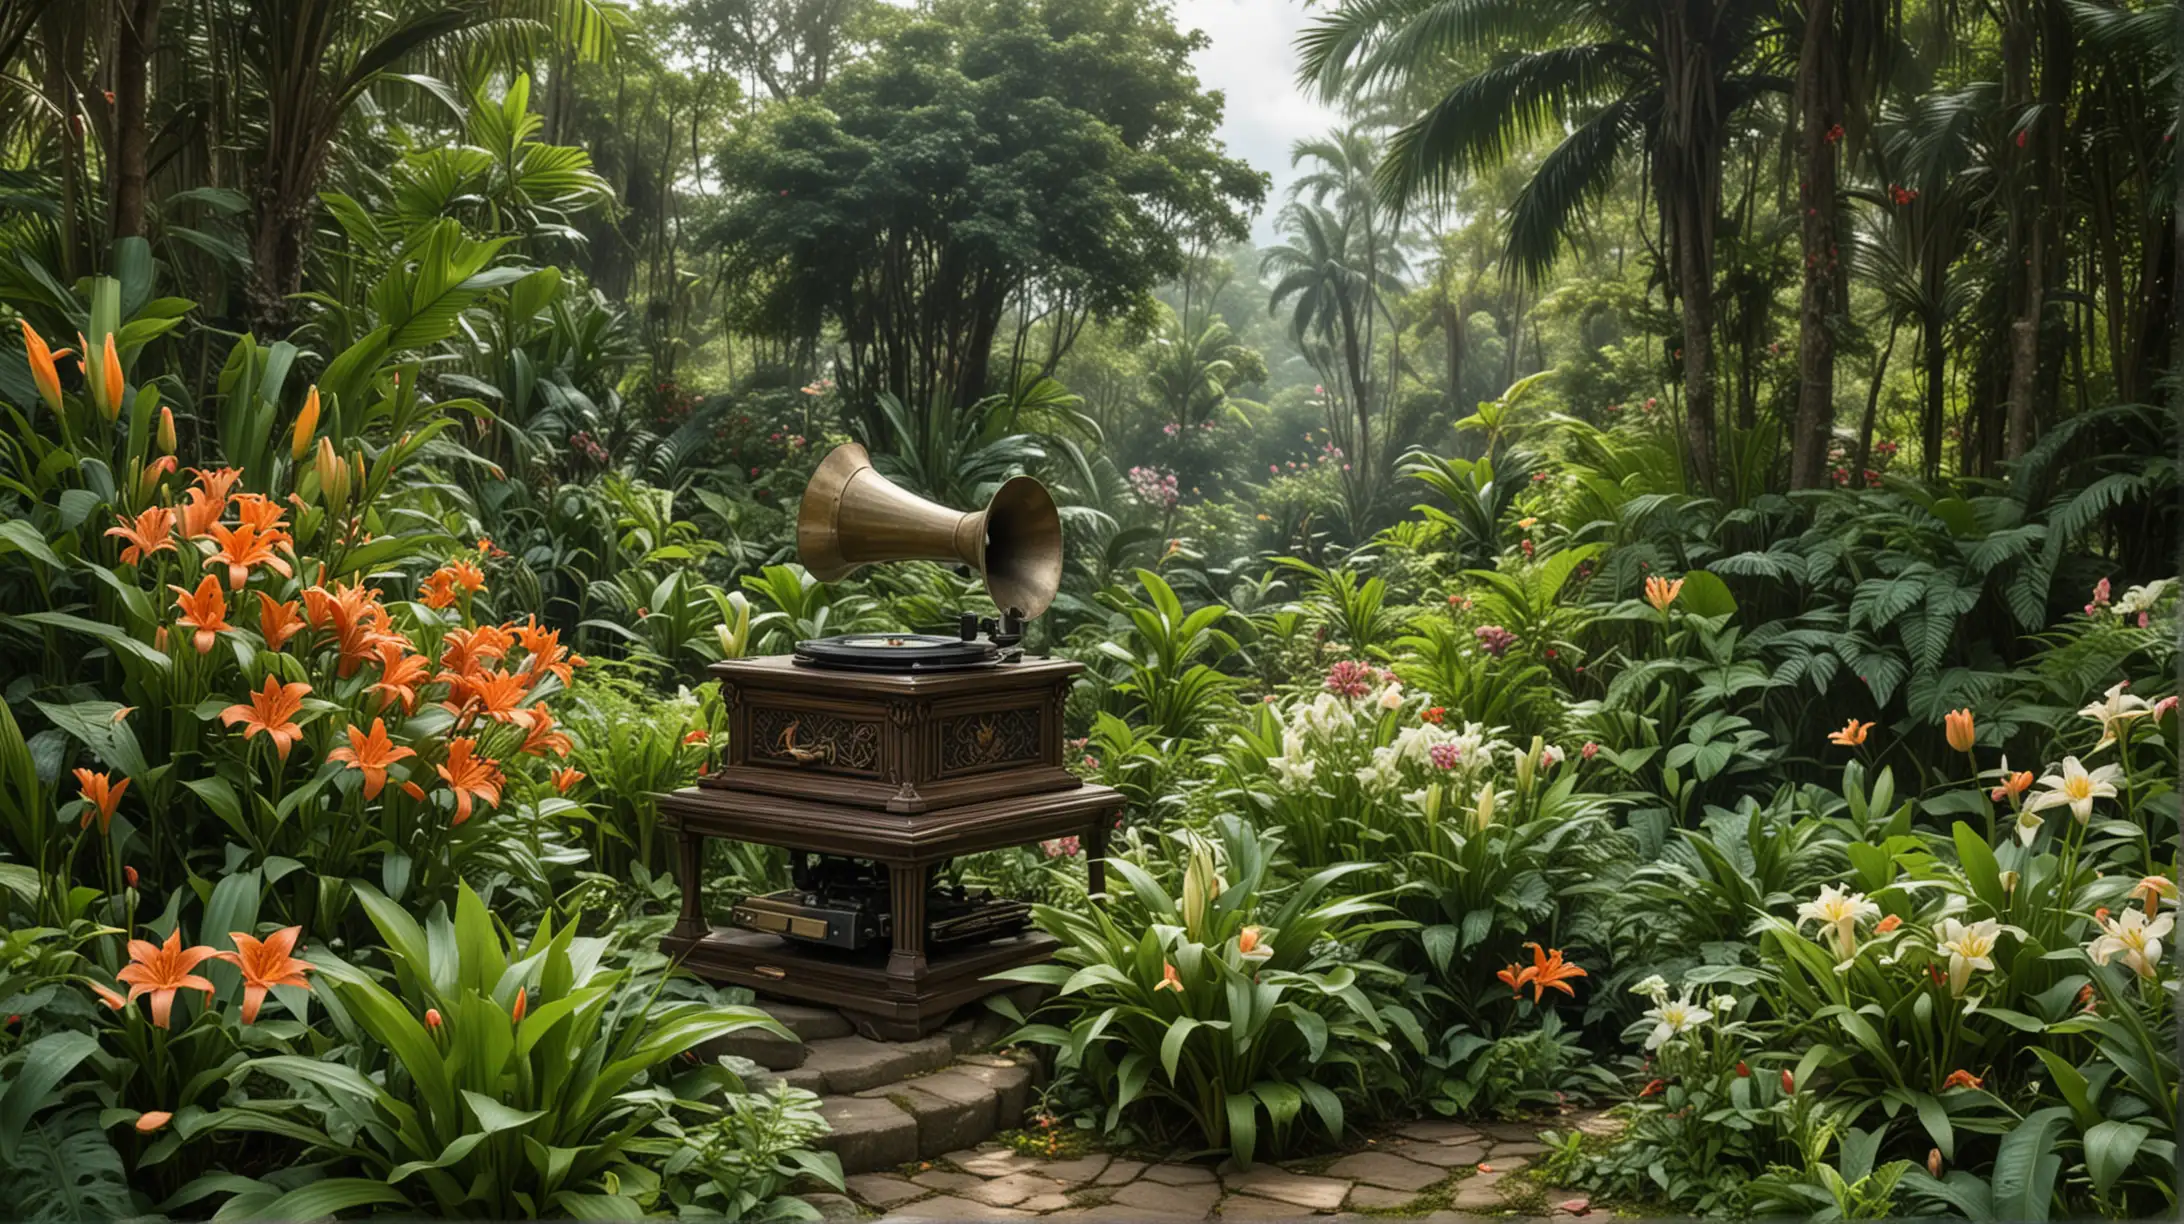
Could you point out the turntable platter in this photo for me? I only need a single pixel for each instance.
(895, 652)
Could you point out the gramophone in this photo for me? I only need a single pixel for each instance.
(877, 757)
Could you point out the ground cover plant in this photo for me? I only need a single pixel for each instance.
(1639, 571)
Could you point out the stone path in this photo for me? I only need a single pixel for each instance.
(1430, 1170)
(914, 1123)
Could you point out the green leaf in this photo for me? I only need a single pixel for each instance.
(46, 1062)
(495, 1117)
(1705, 594)
(1171, 1046)
(1243, 1126)
(324, 1199)
(2025, 1165)
(2109, 1150)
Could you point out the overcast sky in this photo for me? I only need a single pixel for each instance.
(1252, 62)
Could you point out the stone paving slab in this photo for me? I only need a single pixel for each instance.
(1468, 1166)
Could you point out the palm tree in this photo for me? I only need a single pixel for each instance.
(314, 61)
(1665, 76)
(1333, 287)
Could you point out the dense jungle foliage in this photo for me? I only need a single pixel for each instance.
(1651, 583)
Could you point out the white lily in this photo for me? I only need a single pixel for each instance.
(2077, 788)
(2028, 826)
(2135, 937)
(1294, 767)
(1654, 987)
(1840, 910)
(1391, 697)
(2141, 598)
(1675, 1019)
(1969, 947)
(2112, 711)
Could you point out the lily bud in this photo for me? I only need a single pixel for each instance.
(1201, 885)
(1933, 1162)
(735, 636)
(432, 1018)
(523, 1003)
(166, 430)
(110, 380)
(333, 477)
(2009, 882)
(1482, 812)
(306, 427)
(42, 371)
(1528, 763)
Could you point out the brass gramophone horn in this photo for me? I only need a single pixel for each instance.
(851, 517)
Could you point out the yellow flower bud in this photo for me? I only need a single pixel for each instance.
(166, 430)
(333, 476)
(306, 427)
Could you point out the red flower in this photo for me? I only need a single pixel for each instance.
(1652, 1087)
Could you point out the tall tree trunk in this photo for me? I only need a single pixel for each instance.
(1935, 357)
(1689, 174)
(1820, 109)
(135, 40)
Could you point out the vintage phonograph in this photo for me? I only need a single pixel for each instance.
(875, 758)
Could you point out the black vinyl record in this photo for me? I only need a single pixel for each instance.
(894, 652)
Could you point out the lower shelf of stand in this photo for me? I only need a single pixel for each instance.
(859, 981)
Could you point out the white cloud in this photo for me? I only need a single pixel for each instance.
(1252, 59)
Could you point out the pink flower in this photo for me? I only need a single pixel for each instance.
(1445, 756)
(1494, 640)
(1589, 751)
(1060, 847)
(1351, 679)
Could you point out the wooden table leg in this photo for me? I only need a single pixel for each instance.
(1095, 855)
(690, 870)
(906, 905)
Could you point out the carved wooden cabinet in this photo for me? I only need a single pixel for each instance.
(907, 771)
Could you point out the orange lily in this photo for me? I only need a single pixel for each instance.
(437, 590)
(112, 999)
(371, 753)
(400, 672)
(1660, 592)
(103, 796)
(1549, 971)
(266, 964)
(470, 776)
(200, 510)
(271, 710)
(1852, 734)
(242, 549)
(1961, 1078)
(353, 614)
(542, 738)
(159, 970)
(546, 653)
(497, 695)
(261, 514)
(1514, 976)
(217, 482)
(151, 532)
(278, 621)
(467, 650)
(1168, 979)
(565, 778)
(204, 610)
(42, 371)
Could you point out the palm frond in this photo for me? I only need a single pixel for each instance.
(1479, 122)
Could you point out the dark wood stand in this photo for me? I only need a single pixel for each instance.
(908, 771)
